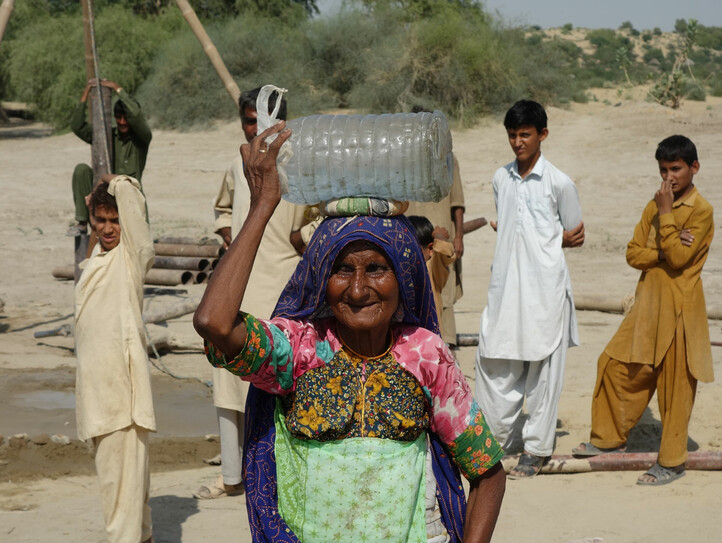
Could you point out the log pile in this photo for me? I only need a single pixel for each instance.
(178, 261)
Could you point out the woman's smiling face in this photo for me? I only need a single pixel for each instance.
(362, 291)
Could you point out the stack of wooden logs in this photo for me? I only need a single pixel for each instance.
(178, 261)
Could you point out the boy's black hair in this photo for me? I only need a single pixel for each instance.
(526, 113)
(119, 109)
(248, 99)
(676, 148)
(100, 197)
(424, 229)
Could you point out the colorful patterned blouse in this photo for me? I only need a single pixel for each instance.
(329, 394)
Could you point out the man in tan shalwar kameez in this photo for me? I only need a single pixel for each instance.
(114, 405)
(275, 262)
(448, 214)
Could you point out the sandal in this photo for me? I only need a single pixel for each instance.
(218, 490)
(587, 449)
(214, 461)
(528, 466)
(662, 475)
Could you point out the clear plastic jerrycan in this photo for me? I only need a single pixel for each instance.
(401, 156)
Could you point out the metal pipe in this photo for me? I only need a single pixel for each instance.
(186, 240)
(175, 249)
(64, 272)
(467, 340)
(181, 263)
(168, 277)
(171, 311)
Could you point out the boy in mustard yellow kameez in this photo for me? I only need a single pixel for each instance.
(663, 343)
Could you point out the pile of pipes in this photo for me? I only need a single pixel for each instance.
(183, 261)
(178, 261)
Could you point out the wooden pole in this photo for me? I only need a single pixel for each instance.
(697, 460)
(102, 127)
(99, 103)
(6, 8)
(210, 49)
(473, 224)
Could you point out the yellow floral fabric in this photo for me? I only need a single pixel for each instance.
(350, 397)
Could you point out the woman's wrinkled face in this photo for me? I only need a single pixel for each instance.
(362, 290)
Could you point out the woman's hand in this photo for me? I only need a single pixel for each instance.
(482, 510)
(216, 318)
(259, 165)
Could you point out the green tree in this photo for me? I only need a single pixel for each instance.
(672, 85)
(624, 62)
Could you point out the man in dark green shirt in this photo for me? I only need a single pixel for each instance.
(131, 139)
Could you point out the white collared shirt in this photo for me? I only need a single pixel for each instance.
(530, 281)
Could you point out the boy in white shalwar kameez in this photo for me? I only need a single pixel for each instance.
(529, 321)
(114, 405)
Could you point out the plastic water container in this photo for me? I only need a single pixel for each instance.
(401, 156)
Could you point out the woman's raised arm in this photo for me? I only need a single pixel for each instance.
(216, 318)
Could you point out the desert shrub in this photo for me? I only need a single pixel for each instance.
(345, 48)
(657, 31)
(709, 36)
(627, 25)
(680, 26)
(647, 37)
(607, 43)
(716, 85)
(694, 91)
(580, 97)
(654, 52)
(463, 64)
(49, 71)
(183, 90)
(567, 28)
(46, 62)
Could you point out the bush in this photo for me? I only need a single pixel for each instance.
(716, 85)
(653, 53)
(709, 36)
(46, 63)
(256, 51)
(627, 25)
(694, 91)
(46, 67)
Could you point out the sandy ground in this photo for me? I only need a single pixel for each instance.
(49, 493)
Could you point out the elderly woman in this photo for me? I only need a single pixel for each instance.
(350, 378)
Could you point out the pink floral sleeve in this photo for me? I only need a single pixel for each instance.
(456, 417)
(276, 352)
